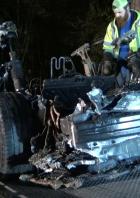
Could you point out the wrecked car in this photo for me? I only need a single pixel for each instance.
(78, 123)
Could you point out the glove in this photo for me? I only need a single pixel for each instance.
(134, 63)
(108, 64)
(118, 41)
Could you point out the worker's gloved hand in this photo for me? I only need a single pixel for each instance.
(108, 64)
(134, 63)
(121, 41)
(116, 42)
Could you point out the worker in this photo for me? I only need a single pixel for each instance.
(121, 45)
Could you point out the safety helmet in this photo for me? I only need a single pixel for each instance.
(119, 4)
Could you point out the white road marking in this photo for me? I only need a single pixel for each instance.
(12, 190)
(22, 196)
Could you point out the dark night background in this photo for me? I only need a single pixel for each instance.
(49, 28)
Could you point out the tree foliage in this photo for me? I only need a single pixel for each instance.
(55, 27)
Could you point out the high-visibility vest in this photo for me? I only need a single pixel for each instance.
(112, 33)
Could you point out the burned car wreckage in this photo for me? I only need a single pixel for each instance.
(79, 123)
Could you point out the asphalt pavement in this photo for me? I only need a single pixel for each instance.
(128, 186)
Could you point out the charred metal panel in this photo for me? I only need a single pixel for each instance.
(76, 85)
(68, 90)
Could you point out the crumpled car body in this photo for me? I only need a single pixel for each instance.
(111, 133)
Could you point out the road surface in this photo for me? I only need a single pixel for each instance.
(125, 187)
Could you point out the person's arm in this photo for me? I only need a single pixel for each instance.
(109, 61)
(107, 45)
